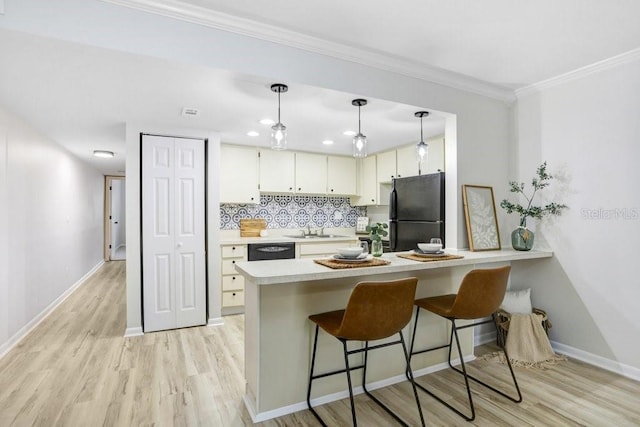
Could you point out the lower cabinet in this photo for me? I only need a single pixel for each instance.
(232, 281)
(321, 249)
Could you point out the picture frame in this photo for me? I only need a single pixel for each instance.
(481, 218)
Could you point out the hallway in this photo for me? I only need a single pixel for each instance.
(76, 369)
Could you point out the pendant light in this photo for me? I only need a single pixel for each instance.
(279, 131)
(422, 148)
(359, 141)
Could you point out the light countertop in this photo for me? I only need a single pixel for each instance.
(300, 270)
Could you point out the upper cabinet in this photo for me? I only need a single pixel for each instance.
(311, 173)
(406, 161)
(403, 162)
(239, 174)
(386, 166)
(435, 156)
(367, 183)
(341, 175)
(277, 171)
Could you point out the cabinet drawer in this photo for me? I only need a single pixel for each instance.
(234, 251)
(229, 266)
(232, 298)
(232, 283)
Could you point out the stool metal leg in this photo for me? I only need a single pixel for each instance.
(346, 364)
(463, 371)
(313, 363)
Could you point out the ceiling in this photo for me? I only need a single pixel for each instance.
(75, 95)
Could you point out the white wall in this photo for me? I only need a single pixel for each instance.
(51, 223)
(587, 129)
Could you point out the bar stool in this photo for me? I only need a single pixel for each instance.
(376, 310)
(479, 296)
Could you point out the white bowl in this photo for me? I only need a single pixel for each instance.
(430, 247)
(350, 252)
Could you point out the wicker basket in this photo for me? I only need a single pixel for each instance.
(503, 318)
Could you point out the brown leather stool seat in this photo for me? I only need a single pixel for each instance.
(376, 310)
(480, 295)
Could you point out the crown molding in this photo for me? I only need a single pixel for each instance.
(222, 21)
(580, 73)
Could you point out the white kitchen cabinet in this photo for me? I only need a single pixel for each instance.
(435, 157)
(386, 166)
(341, 175)
(231, 281)
(277, 171)
(406, 161)
(239, 174)
(311, 173)
(322, 249)
(368, 187)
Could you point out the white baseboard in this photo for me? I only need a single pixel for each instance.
(590, 358)
(484, 338)
(24, 331)
(258, 417)
(133, 332)
(599, 361)
(215, 321)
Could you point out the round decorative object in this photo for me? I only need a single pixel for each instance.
(522, 239)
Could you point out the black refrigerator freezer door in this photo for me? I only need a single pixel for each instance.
(405, 235)
(418, 198)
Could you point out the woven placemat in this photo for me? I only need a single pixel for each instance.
(331, 263)
(427, 258)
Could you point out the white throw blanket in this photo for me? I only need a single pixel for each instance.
(527, 343)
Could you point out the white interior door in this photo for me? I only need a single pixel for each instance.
(117, 220)
(173, 237)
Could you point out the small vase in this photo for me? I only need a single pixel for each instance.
(522, 239)
(376, 247)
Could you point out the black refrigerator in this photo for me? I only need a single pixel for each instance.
(416, 211)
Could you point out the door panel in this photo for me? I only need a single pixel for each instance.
(174, 282)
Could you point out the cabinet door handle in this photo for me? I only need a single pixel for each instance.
(233, 248)
(332, 190)
(233, 278)
(234, 294)
(233, 262)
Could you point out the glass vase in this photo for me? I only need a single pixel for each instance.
(376, 247)
(522, 239)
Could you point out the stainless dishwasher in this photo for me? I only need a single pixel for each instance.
(267, 251)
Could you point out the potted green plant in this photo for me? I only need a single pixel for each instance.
(522, 237)
(376, 232)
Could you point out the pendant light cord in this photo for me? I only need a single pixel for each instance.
(279, 107)
(359, 132)
(421, 137)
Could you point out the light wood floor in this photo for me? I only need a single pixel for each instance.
(76, 369)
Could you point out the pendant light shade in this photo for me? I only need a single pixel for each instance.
(359, 140)
(279, 131)
(422, 148)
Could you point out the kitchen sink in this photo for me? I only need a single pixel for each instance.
(314, 236)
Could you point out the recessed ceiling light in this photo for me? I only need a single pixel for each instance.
(103, 153)
(253, 133)
(190, 112)
(349, 133)
(327, 142)
(268, 122)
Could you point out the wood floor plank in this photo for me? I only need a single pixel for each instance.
(76, 369)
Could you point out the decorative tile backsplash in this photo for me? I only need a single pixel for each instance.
(284, 211)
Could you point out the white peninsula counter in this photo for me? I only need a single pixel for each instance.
(281, 294)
